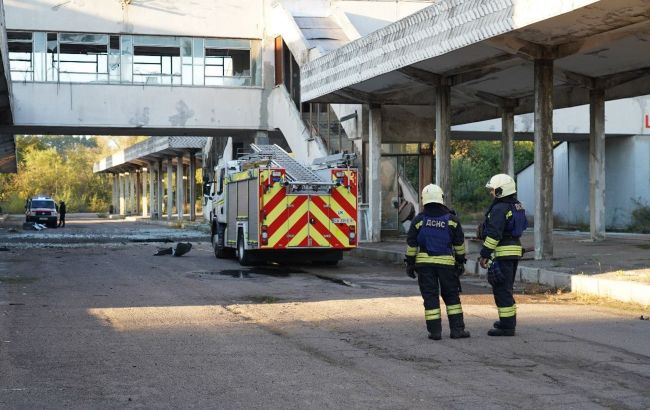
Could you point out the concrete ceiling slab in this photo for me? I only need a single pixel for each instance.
(490, 51)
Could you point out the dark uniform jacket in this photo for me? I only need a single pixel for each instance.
(505, 219)
(446, 239)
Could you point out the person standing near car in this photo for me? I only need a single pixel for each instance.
(62, 214)
(436, 252)
(505, 222)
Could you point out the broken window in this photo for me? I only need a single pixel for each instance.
(127, 59)
(21, 62)
(81, 57)
(227, 62)
(156, 60)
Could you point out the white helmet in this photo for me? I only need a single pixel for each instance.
(432, 193)
(502, 184)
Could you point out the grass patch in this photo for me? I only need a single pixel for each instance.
(628, 307)
(16, 280)
(643, 246)
(102, 215)
(263, 299)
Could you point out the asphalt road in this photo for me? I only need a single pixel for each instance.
(109, 325)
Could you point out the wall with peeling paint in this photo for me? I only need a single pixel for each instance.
(200, 18)
(94, 105)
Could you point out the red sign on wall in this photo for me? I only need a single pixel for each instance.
(647, 121)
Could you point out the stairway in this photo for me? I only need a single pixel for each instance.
(323, 122)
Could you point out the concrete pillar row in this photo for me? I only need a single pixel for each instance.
(374, 174)
(543, 168)
(597, 164)
(507, 141)
(170, 188)
(159, 189)
(443, 133)
(180, 188)
(192, 183)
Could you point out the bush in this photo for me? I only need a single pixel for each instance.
(640, 218)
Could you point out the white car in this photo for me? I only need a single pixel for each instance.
(42, 210)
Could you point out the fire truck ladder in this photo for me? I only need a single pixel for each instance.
(296, 172)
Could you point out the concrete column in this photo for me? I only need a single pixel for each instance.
(374, 175)
(426, 171)
(170, 188)
(121, 179)
(138, 191)
(152, 193)
(443, 132)
(145, 183)
(507, 141)
(159, 189)
(597, 164)
(127, 193)
(180, 187)
(186, 186)
(133, 196)
(115, 198)
(192, 183)
(543, 159)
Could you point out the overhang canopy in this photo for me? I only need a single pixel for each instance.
(485, 49)
(151, 150)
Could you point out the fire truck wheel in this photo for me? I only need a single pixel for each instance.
(242, 255)
(217, 245)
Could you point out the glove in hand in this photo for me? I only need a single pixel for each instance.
(410, 271)
(494, 274)
(459, 267)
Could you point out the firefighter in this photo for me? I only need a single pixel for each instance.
(505, 221)
(436, 252)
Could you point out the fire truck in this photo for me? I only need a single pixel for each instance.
(267, 207)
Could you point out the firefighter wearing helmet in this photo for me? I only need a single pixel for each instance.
(505, 221)
(436, 252)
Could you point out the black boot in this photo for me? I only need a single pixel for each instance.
(458, 333)
(512, 322)
(435, 329)
(457, 327)
(501, 332)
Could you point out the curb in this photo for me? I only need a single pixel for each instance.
(634, 292)
(369, 253)
(624, 291)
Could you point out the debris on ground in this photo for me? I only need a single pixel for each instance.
(644, 317)
(4, 249)
(180, 249)
(33, 226)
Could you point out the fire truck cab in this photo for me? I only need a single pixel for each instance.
(267, 207)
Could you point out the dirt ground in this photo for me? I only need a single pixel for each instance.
(99, 322)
